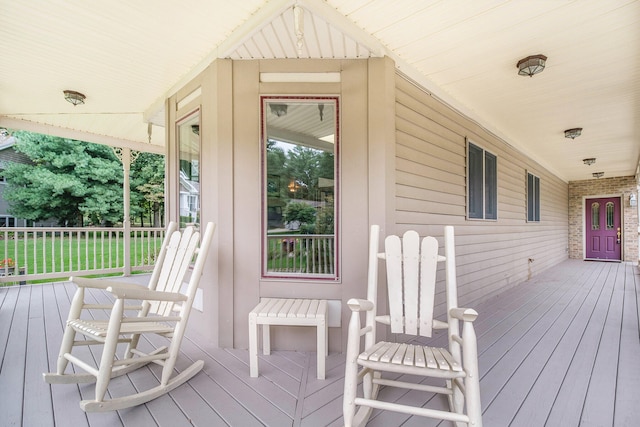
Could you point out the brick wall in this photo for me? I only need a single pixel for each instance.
(619, 186)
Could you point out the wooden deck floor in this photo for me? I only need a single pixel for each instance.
(562, 349)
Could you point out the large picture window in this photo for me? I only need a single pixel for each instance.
(533, 198)
(299, 191)
(482, 183)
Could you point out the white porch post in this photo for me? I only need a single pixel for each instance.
(126, 157)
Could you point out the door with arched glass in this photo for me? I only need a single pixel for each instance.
(603, 229)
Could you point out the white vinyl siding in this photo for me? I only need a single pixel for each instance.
(431, 191)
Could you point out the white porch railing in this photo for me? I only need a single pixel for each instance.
(34, 253)
(301, 254)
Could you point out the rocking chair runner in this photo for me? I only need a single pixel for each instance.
(164, 311)
(411, 275)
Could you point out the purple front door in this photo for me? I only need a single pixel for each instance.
(603, 230)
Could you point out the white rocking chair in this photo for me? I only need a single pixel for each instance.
(164, 311)
(411, 275)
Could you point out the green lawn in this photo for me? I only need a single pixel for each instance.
(61, 253)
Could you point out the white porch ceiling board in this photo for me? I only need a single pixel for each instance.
(119, 126)
(128, 56)
(320, 40)
(79, 135)
(389, 21)
(264, 42)
(141, 47)
(312, 42)
(478, 42)
(476, 66)
(322, 32)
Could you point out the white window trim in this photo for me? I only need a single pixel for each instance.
(468, 181)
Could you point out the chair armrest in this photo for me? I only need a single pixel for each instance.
(465, 314)
(356, 304)
(146, 294)
(85, 282)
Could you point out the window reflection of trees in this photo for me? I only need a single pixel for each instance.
(300, 175)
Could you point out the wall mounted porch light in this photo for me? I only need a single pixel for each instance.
(74, 97)
(589, 161)
(531, 65)
(597, 174)
(632, 200)
(573, 133)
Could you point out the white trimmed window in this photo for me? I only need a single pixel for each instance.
(533, 198)
(482, 183)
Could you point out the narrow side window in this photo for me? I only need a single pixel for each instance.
(482, 183)
(533, 198)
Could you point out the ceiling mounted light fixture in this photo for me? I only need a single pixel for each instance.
(597, 174)
(278, 109)
(589, 161)
(74, 97)
(5, 136)
(531, 65)
(573, 133)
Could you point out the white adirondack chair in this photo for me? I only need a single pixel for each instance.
(411, 275)
(164, 310)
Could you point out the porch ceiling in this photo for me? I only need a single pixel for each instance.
(126, 57)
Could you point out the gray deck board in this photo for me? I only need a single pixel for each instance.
(627, 409)
(599, 401)
(529, 354)
(558, 350)
(570, 399)
(64, 399)
(16, 353)
(37, 404)
(540, 398)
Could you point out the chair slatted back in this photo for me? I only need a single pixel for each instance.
(198, 266)
(153, 281)
(411, 277)
(180, 251)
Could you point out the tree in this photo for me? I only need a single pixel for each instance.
(69, 180)
(278, 177)
(147, 184)
(325, 218)
(301, 213)
(303, 165)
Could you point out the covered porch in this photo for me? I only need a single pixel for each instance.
(410, 106)
(559, 349)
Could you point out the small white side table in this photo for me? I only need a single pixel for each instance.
(287, 312)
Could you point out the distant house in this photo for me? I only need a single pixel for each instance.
(8, 155)
(189, 198)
